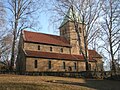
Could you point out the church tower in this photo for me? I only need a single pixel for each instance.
(67, 30)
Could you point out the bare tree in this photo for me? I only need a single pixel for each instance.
(2, 19)
(5, 45)
(22, 15)
(89, 11)
(2, 14)
(2, 31)
(110, 24)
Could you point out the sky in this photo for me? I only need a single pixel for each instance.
(46, 25)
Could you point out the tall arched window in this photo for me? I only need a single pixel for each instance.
(61, 49)
(89, 65)
(75, 66)
(38, 47)
(64, 65)
(49, 64)
(50, 48)
(65, 31)
(80, 29)
(35, 64)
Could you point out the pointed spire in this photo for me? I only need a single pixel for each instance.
(70, 16)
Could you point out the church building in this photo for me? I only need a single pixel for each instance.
(39, 52)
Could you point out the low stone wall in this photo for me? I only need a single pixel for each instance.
(82, 74)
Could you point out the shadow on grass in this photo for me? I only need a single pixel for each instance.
(94, 84)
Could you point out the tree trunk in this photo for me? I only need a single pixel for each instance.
(13, 50)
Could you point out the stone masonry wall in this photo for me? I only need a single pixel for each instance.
(56, 65)
(46, 48)
(68, 31)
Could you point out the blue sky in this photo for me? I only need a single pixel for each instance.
(47, 26)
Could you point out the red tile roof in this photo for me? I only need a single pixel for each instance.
(50, 55)
(94, 54)
(44, 38)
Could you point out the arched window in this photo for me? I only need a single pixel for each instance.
(80, 29)
(89, 65)
(38, 47)
(64, 65)
(61, 50)
(75, 66)
(65, 31)
(35, 63)
(50, 48)
(49, 64)
(62, 32)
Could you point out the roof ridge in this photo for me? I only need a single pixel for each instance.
(54, 53)
(41, 33)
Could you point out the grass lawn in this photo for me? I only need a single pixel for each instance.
(19, 82)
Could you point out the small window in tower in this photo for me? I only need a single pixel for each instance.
(50, 48)
(61, 32)
(38, 47)
(61, 50)
(35, 63)
(80, 29)
(65, 30)
(64, 65)
(49, 64)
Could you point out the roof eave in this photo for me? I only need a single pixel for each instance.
(48, 43)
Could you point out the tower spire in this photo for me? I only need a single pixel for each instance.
(70, 16)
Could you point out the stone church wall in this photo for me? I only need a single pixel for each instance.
(56, 65)
(46, 48)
